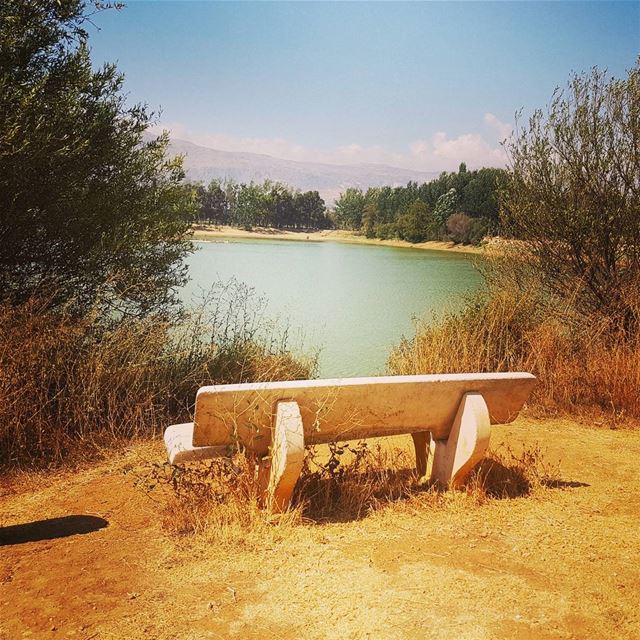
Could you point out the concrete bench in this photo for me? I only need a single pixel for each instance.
(448, 416)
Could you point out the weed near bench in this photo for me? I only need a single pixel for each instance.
(340, 482)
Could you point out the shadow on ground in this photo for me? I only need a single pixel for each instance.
(50, 529)
(348, 496)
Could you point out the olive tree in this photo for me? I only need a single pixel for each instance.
(572, 193)
(91, 208)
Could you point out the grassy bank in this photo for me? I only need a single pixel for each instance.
(212, 233)
(72, 386)
(587, 365)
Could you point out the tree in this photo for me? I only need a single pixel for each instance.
(311, 209)
(573, 193)
(417, 224)
(281, 203)
(445, 206)
(478, 197)
(215, 207)
(370, 219)
(349, 208)
(90, 208)
(251, 206)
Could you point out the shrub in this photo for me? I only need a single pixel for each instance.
(583, 364)
(68, 384)
(458, 226)
(385, 231)
(571, 193)
(220, 499)
(417, 223)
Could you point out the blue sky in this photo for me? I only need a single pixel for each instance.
(418, 85)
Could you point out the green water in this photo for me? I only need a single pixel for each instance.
(353, 302)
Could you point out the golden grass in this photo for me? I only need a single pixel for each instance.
(71, 385)
(219, 501)
(583, 364)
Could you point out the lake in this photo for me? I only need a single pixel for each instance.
(354, 302)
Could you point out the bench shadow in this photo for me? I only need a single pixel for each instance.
(500, 481)
(50, 529)
(352, 496)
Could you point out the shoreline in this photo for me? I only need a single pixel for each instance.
(210, 233)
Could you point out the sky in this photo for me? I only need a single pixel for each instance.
(421, 86)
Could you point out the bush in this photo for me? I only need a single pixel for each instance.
(583, 364)
(69, 383)
(571, 193)
(464, 229)
(385, 231)
(417, 223)
(458, 226)
(221, 498)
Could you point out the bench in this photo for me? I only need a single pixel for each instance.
(448, 416)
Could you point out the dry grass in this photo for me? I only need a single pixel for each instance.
(219, 501)
(558, 563)
(583, 364)
(69, 385)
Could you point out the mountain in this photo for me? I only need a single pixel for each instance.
(203, 164)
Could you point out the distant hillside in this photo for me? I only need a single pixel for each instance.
(204, 164)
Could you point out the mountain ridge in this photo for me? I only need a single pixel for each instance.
(203, 164)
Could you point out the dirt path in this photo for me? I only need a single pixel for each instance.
(563, 563)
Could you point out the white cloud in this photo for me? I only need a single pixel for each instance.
(438, 153)
(503, 129)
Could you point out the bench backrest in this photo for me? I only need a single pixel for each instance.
(352, 408)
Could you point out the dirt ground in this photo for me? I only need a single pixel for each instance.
(561, 563)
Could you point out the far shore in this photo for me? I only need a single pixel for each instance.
(212, 233)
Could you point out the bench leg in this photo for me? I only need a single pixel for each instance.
(287, 456)
(421, 443)
(468, 440)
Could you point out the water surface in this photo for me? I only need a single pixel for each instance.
(352, 301)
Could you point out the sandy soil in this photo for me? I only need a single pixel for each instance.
(211, 233)
(562, 563)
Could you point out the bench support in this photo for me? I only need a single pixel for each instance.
(283, 465)
(421, 443)
(454, 458)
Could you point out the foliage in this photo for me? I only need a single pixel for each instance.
(269, 204)
(417, 224)
(458, 226)
(463, 229)
(572, 193)
(221, 499)
(349, 209)
(385, 212)
(445, 206)
(89, 209)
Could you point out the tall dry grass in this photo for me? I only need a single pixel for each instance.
(71, 386)
(220, 500)
(584, 364)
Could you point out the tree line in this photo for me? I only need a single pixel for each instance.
(270, 204)
(461, 206)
